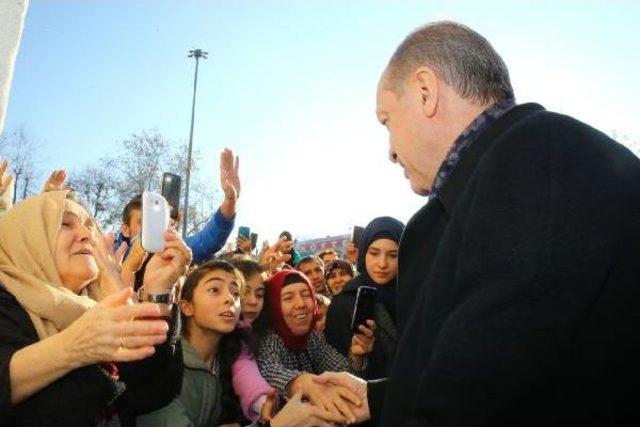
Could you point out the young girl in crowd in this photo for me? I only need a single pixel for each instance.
(378, 267)
(212, 345)
(252, 299)
(290, 351)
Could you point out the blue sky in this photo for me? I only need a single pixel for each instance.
(290, 86)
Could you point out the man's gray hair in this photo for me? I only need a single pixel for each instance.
(461, 57)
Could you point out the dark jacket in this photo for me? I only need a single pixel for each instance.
(338, 330)
(80, 397)
(519, 284)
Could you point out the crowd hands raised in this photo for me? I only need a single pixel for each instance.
(124, 324)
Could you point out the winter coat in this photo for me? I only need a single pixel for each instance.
(519, 284)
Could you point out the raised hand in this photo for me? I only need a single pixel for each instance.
(244, 244)
(164, 269)
(351, 253)
(6, 179)
(273, 257)
(55, 181)
(136, 256)
(109, 264)
(229, 181)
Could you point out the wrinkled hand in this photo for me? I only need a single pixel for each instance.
(229, 178)
(109, 264)
(6, 179)
(164, 268)
(297, 413)
(273, 257)
(335, 399)
(356, 385)
(351, 253)
(55, 180)
(362, 343)
(114, 331)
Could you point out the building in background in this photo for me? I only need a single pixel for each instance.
(312, 247)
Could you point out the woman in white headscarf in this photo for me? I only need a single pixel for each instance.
(62, 353)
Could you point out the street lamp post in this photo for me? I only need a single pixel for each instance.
(197, 54)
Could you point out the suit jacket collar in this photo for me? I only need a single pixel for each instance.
(454, 185)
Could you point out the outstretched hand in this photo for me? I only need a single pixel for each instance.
(6, 179)
(229, 178)
(55, 181)
(273, 257)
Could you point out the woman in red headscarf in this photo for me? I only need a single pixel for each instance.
(290, 352)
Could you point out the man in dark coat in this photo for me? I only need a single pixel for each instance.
(519, 281)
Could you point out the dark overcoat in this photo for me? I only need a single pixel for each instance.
(519, 284)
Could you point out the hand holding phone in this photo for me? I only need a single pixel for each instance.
(363, 309)
(155, 221)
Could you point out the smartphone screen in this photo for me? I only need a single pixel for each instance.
(171, 192)
(254, 240)
(244, 232)
(363, 309)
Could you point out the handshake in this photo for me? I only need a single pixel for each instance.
(337, 397)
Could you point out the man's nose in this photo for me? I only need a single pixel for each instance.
(393, 157)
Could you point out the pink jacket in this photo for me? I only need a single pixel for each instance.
(249, 385)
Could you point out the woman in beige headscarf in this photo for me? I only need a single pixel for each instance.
(57, 344)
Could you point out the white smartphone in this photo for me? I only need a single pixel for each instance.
(155, 221)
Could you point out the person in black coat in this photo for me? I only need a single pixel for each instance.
(378, 266)
(519, 281)
(66, 359)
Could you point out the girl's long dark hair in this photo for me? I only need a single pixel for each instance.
(230, 346)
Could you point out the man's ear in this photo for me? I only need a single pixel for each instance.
(426, 82)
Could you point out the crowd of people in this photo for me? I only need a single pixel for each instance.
(510, 298)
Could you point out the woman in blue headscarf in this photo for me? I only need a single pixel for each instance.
(378, 268)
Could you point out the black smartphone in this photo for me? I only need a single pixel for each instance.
(363, 310)
(254, 240)
(356, 235)
(171, 192)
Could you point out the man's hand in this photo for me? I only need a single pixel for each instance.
(55, 181)
(229, 181)
(6, 179)
(356, 385)
(334, 398)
